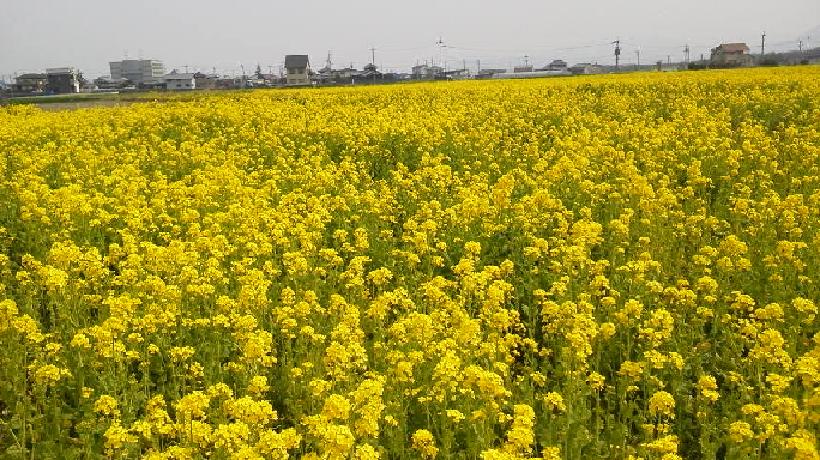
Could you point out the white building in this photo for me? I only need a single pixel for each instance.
(138, 71)
(179, 81)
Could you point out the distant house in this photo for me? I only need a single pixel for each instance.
(63, 80)
(523, 68)
(205, 81)
(368, 74)
(457, 74)
(344, 76)
(731, 55)
(488, 73)
(110, 84)
(179, 81)
(586, 68)
(557, 65)
(426, 72)
(298, 69)
(30, 83)
(533, 74)
(228, 82)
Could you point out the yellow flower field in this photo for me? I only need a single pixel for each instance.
(596, 267)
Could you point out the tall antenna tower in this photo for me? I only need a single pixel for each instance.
(373, 61)
(763, 44)
(617, 44)
(441, 48)
(686, 53)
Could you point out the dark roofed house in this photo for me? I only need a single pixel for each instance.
(63, 80)
(557, 64)
(368, 74)
(298, 69)
(731, 55)
(30, 83)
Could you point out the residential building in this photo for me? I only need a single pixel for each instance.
(426, 72)
(324, 76)
(109, 84)
(586, 68)
(557, 65)
(205, 81)
(731, 55)
(30, 83)
(532, 74)
(298, 69)
(368, 74)
(179, 81)
(63, 80)
(489, 73)
(457, 74)
(343, 76)
(139, 71)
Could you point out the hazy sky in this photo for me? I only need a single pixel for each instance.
(202, 34)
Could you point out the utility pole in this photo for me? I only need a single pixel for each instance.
(763, 44)
(441, 56)
(638, 53)
(686, 52)
(617, 53)
(800, 46)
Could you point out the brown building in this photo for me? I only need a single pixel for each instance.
(731, 55)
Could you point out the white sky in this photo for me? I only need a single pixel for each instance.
(202, 34)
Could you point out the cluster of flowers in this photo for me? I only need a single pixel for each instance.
(604, 267)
